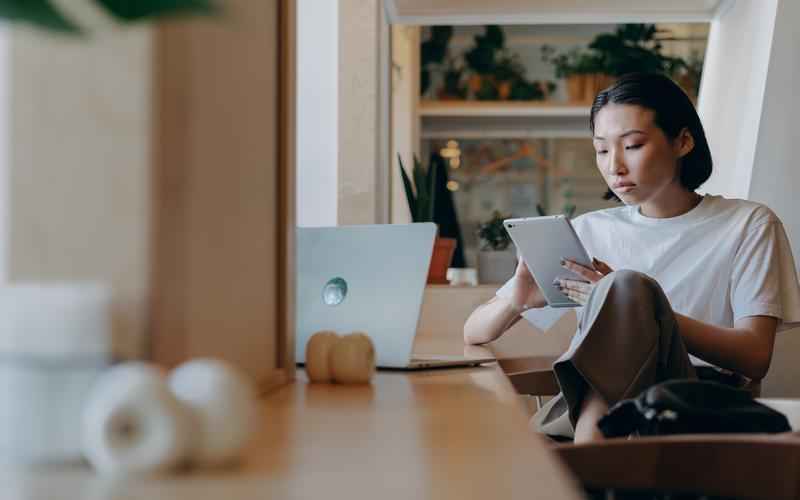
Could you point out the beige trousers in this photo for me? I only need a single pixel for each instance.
(627, 340)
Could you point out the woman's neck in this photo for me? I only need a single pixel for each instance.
(671, 203)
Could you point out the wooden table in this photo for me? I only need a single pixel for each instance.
(439, 434)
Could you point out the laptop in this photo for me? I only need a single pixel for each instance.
(370, 279)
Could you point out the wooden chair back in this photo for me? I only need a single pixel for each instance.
(746, 466)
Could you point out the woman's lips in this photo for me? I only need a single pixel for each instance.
(624, 187)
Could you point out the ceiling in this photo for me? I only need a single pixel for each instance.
(474, 12)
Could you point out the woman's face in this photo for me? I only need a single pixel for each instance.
(637, 160)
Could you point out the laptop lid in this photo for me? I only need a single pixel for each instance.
(368, 278)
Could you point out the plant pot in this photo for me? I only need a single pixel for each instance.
(584, 87)
(575, 85)
(595, 83)
(443, 250)
(496, 266)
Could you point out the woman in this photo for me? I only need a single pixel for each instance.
(701, 280)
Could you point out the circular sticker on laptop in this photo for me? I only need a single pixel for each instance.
(334, 292)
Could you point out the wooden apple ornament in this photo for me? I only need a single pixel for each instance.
(349, 359)
(318, 351)
(352, 359)
(133, 424)
(222, 403)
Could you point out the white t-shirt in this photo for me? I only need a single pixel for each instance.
(721, 261)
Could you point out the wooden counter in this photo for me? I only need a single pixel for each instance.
(440, 434)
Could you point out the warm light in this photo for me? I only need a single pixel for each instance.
(450, 153)
(455, 162)
(452, 185)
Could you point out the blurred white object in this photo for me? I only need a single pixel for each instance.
(54, 341)
(496, 266)
(467, 276)
(133, 424)
(223, 404)
(789, 407)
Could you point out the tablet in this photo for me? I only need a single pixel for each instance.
(543, 242)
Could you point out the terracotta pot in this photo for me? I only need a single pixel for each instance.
(475, 83)
(504, 90)
(443, 250)
(575, 86)
(583, 88)
(595, 83)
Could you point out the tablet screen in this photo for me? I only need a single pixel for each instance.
(543, 242)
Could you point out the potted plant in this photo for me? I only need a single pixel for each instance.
(421, 197)
(497, 258)
(582, 69)
(630, 48)
(50, 17)
(496, 73)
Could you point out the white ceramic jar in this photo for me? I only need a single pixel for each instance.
(54, 341)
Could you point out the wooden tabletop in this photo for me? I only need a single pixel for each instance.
(439, 434)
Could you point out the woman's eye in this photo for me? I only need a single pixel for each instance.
(602, 151)
(633, 146)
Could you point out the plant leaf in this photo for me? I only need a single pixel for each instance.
(135, 10)
(432, 171)
(37, 12)
(412, 202)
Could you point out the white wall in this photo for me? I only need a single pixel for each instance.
(79, 172)
(342, 107)
(749, 108)
(732, 92)
(5, 153)
(317, 112)
(360, 127)
(775, 178)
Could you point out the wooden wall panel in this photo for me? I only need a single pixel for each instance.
(224, 214)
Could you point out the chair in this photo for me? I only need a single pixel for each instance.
(742, 466)
(531, 375)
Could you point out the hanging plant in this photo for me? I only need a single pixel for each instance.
(433, 52)
(45, 15)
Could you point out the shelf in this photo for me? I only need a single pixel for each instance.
(501, 109)
(502, 120)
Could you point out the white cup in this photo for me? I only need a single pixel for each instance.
(54, 341)
(462, 276)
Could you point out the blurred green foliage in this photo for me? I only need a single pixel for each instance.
(45, 15)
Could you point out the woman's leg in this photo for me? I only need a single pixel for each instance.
(627, 340)
(592, 411)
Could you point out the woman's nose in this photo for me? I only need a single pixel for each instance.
(616, 165)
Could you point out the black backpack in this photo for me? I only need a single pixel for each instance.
(691, 407)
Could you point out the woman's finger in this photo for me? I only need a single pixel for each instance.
(601, 266)
(576, 296)
(581, 270)
(578, 286)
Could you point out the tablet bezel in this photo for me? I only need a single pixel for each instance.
(543, 263)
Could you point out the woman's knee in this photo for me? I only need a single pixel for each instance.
(627, 280)
(630, 292)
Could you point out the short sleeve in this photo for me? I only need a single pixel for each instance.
(543, 318)
(507, 289)
(764, 278)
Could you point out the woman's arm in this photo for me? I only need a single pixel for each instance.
(490, 320)
(745, 349)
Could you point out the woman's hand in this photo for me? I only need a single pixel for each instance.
(579, 290)
(526, 293)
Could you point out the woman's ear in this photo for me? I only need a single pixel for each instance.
(684, 143)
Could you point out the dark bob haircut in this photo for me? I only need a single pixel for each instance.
(673, 112)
